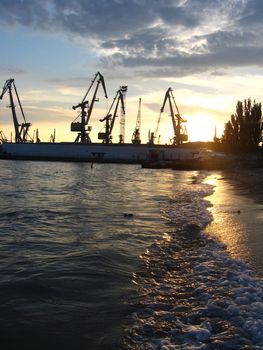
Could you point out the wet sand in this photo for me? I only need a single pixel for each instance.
(238, 214)
(247, 182)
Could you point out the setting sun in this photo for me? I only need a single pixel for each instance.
(200, 127)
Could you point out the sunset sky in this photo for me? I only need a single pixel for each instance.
(208, 51)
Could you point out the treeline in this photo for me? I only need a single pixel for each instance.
(243, 132)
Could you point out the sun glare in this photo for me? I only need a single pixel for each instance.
(200, 127)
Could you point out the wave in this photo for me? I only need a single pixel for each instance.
(191, 293)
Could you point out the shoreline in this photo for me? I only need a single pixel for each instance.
(226, 162)
(237, 209)
(247, 181)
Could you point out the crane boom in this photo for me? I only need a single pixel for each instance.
(99, 81)
(86, 110)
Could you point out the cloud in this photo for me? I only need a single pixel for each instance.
(7, 70)
(155, 38)
(184, 64)
(104, 19)
(252, 14)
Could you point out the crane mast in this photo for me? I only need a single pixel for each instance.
(86, 107)
(122, 119)
(180, 134)
(110, 118)
(136, 137)
(21, 130)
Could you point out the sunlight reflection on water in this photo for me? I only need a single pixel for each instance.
(237, 221)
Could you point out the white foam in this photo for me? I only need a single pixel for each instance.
(194, 286)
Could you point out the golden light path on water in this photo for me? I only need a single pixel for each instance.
(237, 221)
(192, 293)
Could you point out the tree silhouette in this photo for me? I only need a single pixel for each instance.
(243, 132)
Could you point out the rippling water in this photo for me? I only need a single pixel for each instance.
(116, 257)
(68, 249)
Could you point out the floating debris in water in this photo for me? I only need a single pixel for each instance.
(128, 215)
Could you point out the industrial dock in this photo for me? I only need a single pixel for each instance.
(24, 146)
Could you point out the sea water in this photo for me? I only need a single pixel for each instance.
(117, 257)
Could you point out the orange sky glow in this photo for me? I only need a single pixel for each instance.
(209, 52)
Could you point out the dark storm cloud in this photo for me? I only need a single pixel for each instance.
(153, 37)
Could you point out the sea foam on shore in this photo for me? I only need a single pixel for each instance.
(192, 293)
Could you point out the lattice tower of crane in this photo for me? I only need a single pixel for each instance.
(123, 90)
(136, 137)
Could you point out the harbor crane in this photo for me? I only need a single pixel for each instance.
(86, 107)
(52, 137)
(110, 117)
(21, 130)
(180, 133)
(136, 137)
